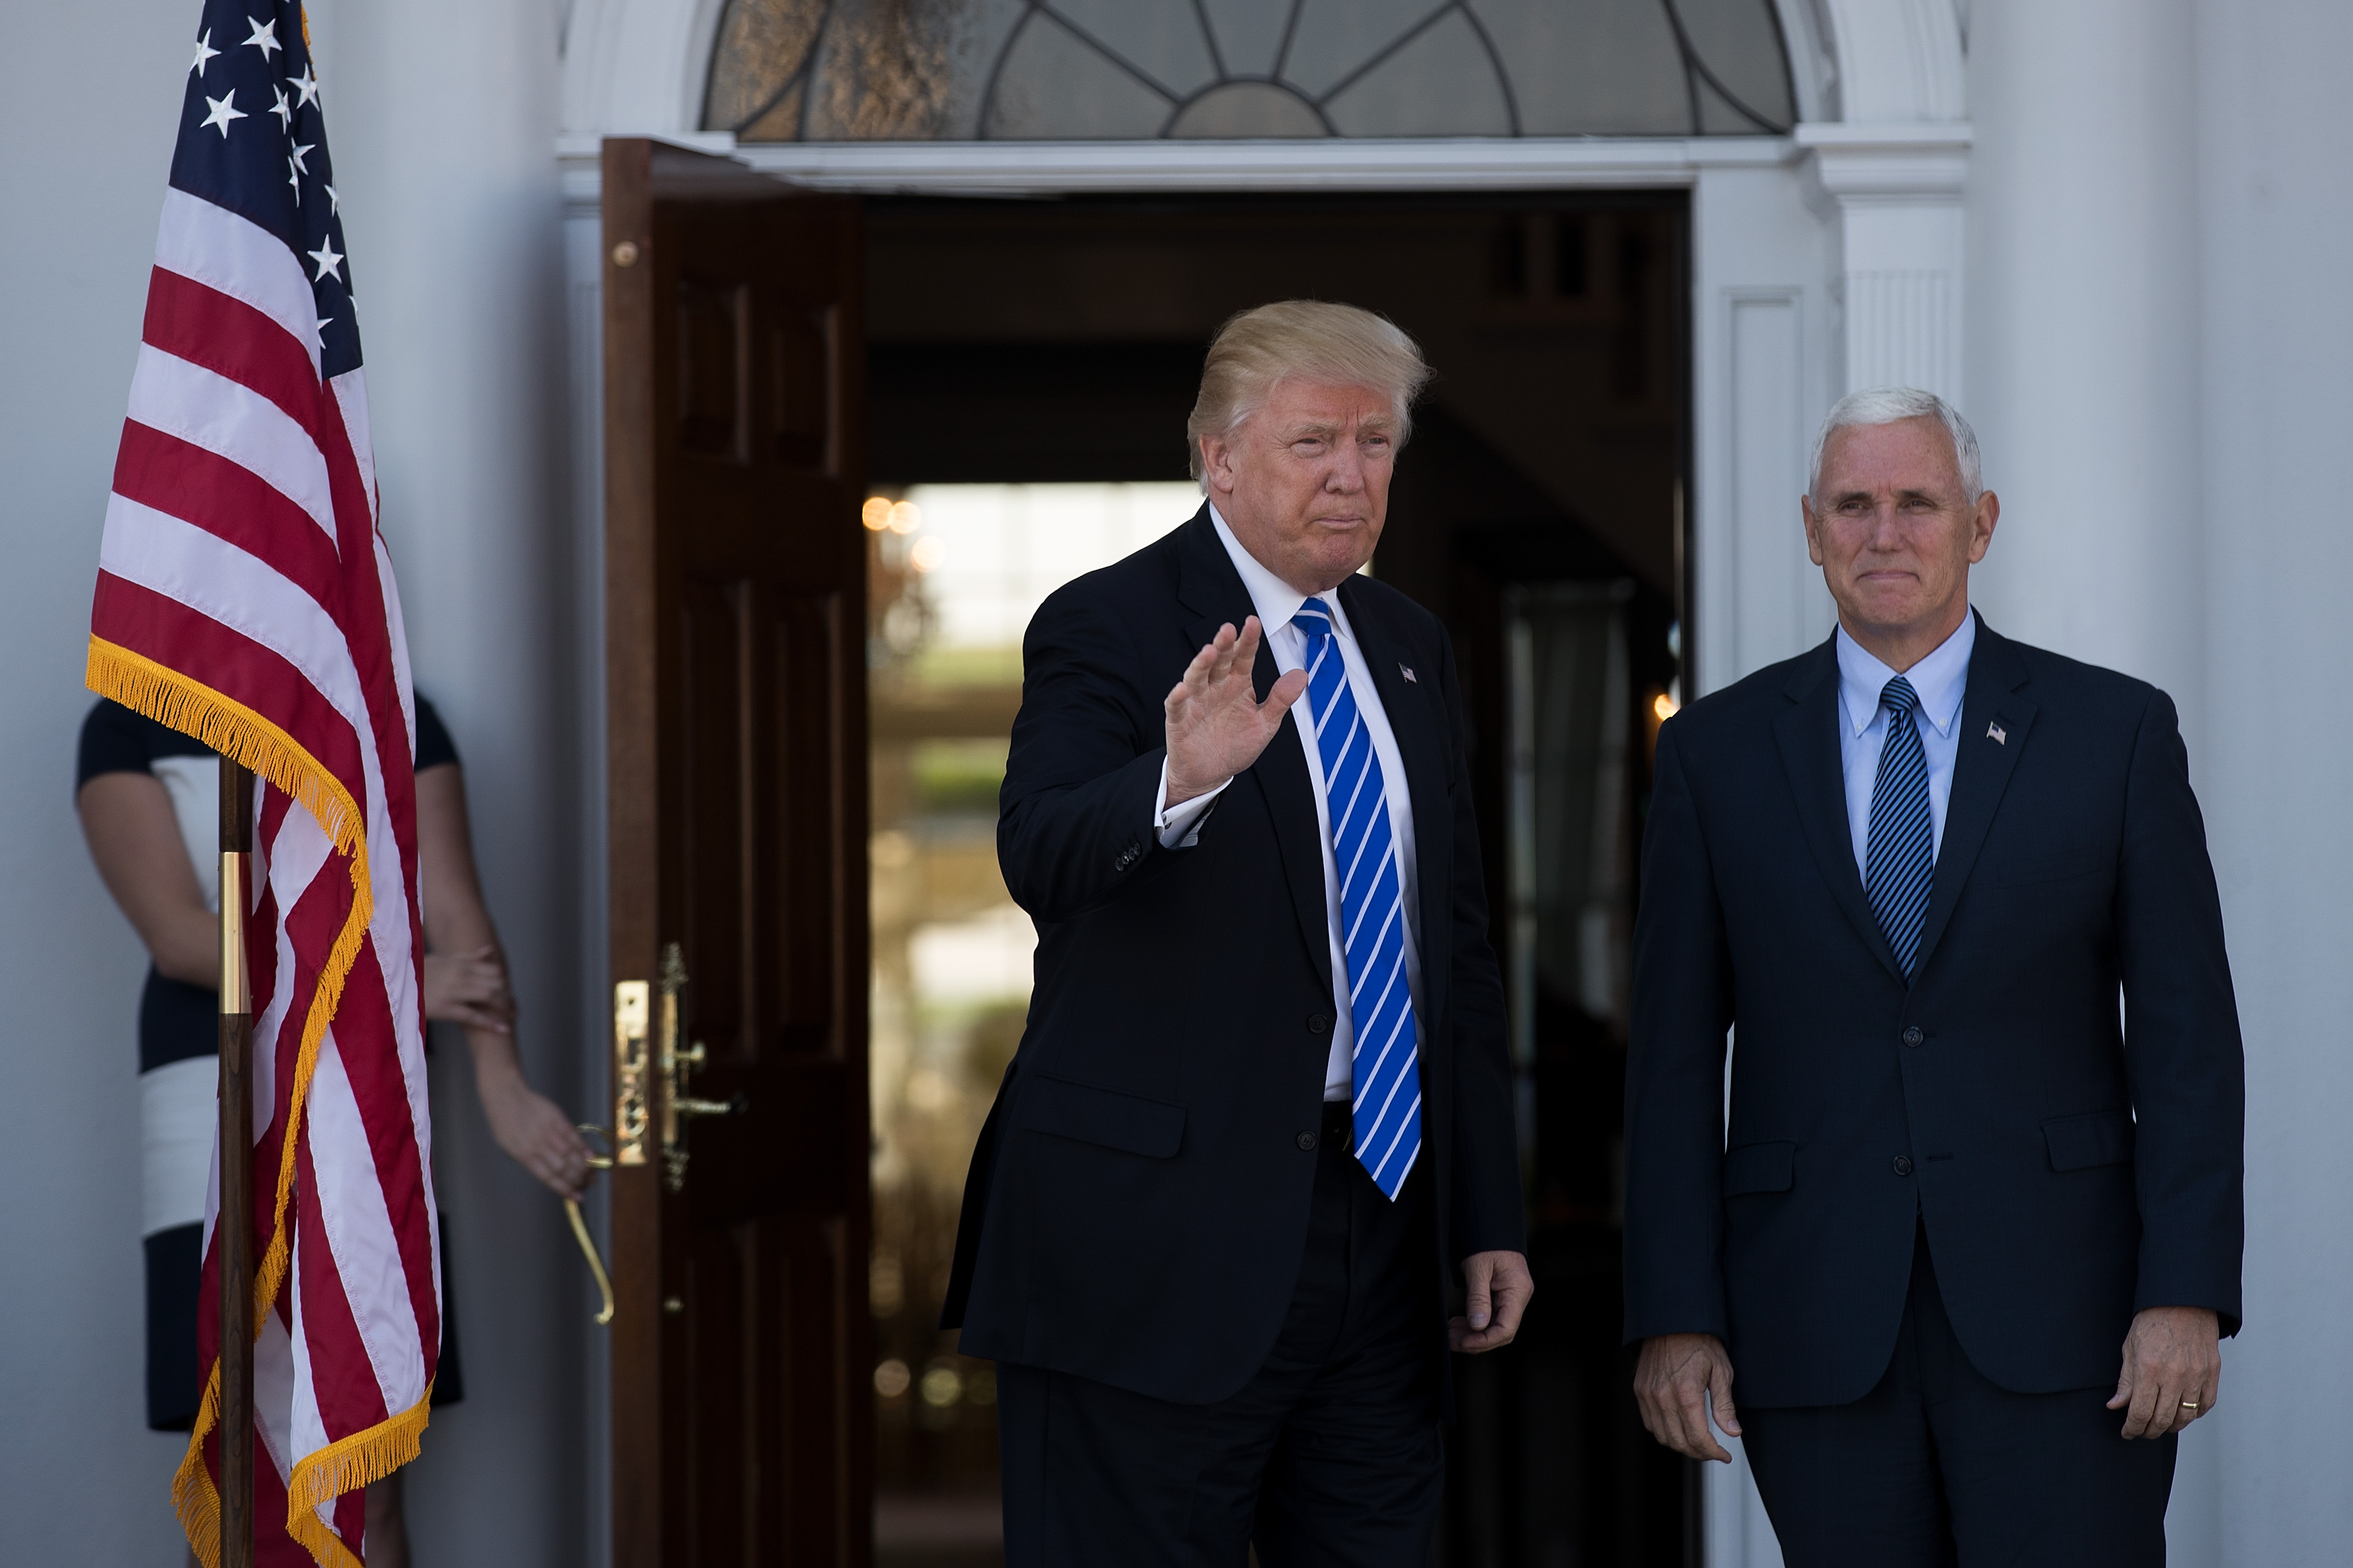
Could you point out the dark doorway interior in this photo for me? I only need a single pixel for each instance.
(1538, 510)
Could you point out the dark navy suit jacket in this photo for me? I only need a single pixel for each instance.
(1138, 1203)
(2072, 1163)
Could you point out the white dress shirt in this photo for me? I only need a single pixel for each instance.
(1940, 679)
(1276, 601)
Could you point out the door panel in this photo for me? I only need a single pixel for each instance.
(735, 585)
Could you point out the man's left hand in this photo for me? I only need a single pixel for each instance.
(1498, 1286)
(2173, 1370)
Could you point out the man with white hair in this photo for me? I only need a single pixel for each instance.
(1260, 1127)
(1913, 872)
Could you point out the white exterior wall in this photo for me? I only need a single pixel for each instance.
(81, 1479)
(2274, 176)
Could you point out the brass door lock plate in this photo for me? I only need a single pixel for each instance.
(632, 1013)
(675, 1065)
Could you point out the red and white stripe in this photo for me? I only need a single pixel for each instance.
(241, 560)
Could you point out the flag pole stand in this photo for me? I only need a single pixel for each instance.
(234, 1234)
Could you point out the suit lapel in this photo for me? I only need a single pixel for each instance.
(1213, 591)
(1981, 768)
(1808, 736)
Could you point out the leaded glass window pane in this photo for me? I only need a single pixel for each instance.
(850, 70)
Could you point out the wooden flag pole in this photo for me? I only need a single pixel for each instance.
(234, 1235)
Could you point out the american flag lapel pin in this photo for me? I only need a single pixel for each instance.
(1996, 734)
(1408, 672)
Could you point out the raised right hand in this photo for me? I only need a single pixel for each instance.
(1677, 1374)
(1217, 725)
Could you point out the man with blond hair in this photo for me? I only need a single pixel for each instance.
(1260, 1128)
(1973, 1230)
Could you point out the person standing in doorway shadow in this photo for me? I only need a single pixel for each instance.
(1913, 870)
(1260, 1124)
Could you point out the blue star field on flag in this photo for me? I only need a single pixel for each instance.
(253, 140)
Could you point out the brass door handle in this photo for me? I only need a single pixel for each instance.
(735, 1104)
(596, 1264)
(580, 1226)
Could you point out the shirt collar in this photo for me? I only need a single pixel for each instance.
(1940, 678)
(1275, 600)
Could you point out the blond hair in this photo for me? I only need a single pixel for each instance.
(1309, 339)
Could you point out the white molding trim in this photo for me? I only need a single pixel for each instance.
(1806, 34)
(1898, 60)
(1929, 158)
(1896, 194)
(1043, 168)
(639, 64)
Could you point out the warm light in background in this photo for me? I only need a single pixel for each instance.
(1663, 706)
(1002, 548)
(882, 512)
(927, 553)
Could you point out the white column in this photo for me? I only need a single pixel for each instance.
(2273, 173)
(443, 116)
(1893, 191)
(2084, 346)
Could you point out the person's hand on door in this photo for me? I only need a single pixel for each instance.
(529, 1126)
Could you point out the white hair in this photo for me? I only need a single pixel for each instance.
(1885, 405)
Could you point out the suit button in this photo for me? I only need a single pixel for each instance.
(1126, 858)
(1307, 1139)
(1913, 1037)
(1317, 1023)
(1902, 1164)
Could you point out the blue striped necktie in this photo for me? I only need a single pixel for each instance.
(1900, 850)
(1388, 1104)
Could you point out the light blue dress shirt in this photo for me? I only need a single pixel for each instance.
(1940, 679)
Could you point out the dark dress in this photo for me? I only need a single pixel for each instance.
(179, 1024)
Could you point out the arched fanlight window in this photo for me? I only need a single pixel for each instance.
(855, 70)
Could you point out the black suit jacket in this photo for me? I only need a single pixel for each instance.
(1138, 1203)
(2071, 1168)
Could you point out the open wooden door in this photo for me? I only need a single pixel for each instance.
(736, 706)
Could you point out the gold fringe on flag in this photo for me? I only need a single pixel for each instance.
(245, 737)
(346, 1464)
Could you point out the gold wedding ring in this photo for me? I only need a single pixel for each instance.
(2190, 1404)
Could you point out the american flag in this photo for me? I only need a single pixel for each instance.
(244, 595)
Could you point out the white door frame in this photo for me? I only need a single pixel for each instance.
(1821, 262)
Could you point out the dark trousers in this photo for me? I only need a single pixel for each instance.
(1329, 1455)
(1937, 1467)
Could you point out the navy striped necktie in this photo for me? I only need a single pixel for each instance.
(1900, 854)
(1386, 1063)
